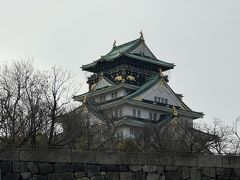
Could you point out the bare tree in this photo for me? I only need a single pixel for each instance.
(227, 137)
(58, 91)
(101, 125)
(75, 127)
(172, 135)
(31, 101)
(20, 99)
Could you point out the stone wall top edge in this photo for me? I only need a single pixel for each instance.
(99, 157)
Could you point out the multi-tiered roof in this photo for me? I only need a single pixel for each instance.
(135, 68)
(128, 53)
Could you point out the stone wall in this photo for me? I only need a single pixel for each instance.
(77, 165)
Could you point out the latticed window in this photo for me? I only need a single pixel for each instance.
(161, 100)
(102, 98)
(155, 116)
(150, 116)
(131, 131)
(166, 101)
(134, 112)
(138, 113)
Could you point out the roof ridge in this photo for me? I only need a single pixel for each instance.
(133, 42)
(150, 59)
(145, 86)
(189, 109)
(124, 44)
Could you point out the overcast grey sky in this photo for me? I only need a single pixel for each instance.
(200, 36)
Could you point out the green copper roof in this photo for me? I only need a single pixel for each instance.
(106, 90)
(145, 86)
(132, 121)
(151, 83)
(125, 50)
(168, 119)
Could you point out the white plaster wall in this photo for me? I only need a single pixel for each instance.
(102, 83)
(127, 111)
(160, 90)
(142, 48)
(120, 92)
(125, 130)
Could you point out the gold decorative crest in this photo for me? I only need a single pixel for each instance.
(118, 78)
(175, 113)
(131, 78)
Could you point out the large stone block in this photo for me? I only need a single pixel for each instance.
(131, 158)
(14, 176)
(108, 158)
(183, 159)
(172, 159)
(160, 169)
(162, 177)
(83, 157)
(149, 168)
(152, 176)
(6, 167)
(173, 175)
(209, 172)
(237, 171)
(159, 158)
(39, 177)
(46, 155)
(26, 175)
(112, 175)
(77, 167)
(83, 178)
(102, 173)
(123, 168)
(80, 174)
(45, 168)
(108, 167)
(67, 176)
(231, 162)
(61, 167)
(135, 168)
(168, 159)
(93, 170)
(220, 171)
(33, 168)
(185, 173)
(98, 177)
(9, 154)
(60, 176)
(195, 173)
(208, 178)
(139, 176)
(172, 168)
(209, 161)
(126, 176)
(229, 171)
(20, 167)
(221, 178)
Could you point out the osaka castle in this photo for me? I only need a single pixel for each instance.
(130, 85)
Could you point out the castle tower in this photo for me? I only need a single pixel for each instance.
(129, 82)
